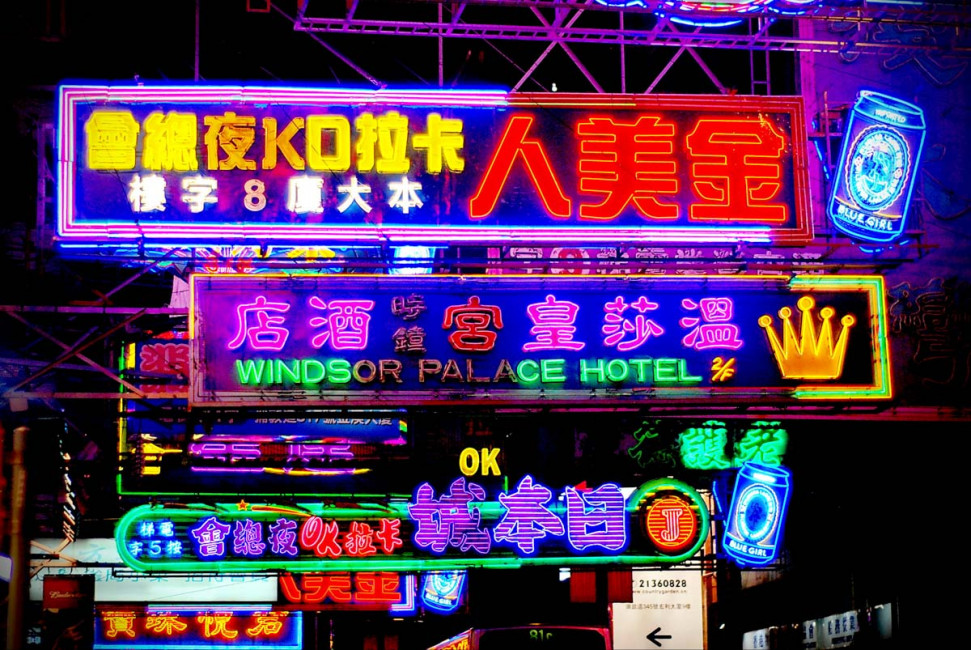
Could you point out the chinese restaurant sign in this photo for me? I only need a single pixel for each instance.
(370, 340)
(214, 628)
(210, 165)
(663, 521)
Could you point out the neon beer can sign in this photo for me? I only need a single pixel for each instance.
(753, 526)
(876, 168)
(166, 166)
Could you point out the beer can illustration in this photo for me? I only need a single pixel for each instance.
(753, 526)
(877, 167)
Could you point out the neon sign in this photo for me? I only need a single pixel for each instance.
(364, 590)
(876, 167)
(218, 627)
(372, 340)
(202, 166)
(437, 530)
(756, 517)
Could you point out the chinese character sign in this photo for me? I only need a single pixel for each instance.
(442, 527)
(178, 626)
(394, 340)
(206, 165)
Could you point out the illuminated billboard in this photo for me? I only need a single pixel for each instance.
(386, 340)
(440, 528)
(163, 166)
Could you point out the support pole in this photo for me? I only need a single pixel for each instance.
(17, 596)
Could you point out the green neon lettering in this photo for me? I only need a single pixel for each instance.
(617, 370)
(640, 367)
(250, 371)
(528, 371)
(683, 371)
(339, 371)
(665, 370)
(586, 371)
(552, 370)
(318, 371)
(293, 374)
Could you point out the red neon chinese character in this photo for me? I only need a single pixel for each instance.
(217, 625)
(627, 163)
(119, 623)
(335, 586)
(165, 623)
(290, 590)
(321, 537)
(513, 145)
(378, 587)
(736, 171)
(358, 541)
(471, 321)
(165, 359)
(267, 624)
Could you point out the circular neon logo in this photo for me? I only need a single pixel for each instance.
(876, 167)
(756, 514)
(671, 524)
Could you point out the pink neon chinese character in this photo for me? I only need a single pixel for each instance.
(553, 325)
(627, 163)
(616, 327)
(527, 518)
(264, 335)
(596, 518)
(449, 520)
(471, 321)
(716, 331)
(346, 327)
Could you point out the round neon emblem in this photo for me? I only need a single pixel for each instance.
(671, 524)
(876, 167)
(756, 515)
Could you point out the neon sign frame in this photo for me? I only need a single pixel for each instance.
(542, 188)
(177, 521)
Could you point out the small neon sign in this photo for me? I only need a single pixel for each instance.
(876, 168)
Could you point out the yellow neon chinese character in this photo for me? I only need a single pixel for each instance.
(443, 141)
(112, 137)
(170, 142)
(232, 135)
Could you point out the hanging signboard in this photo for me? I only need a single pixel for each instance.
(166, 166)
(441, 528)
(380, 340)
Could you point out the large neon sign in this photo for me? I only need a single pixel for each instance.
(190, 165)
(439, 529)
(379, 339)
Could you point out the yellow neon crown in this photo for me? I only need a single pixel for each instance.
(812, 356)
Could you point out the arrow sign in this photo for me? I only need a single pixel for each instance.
(654, 636)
